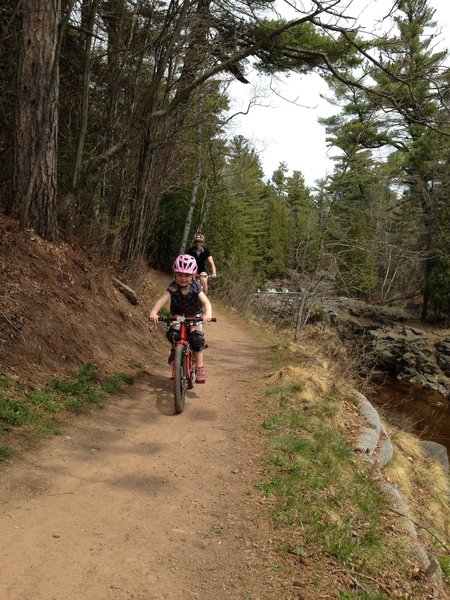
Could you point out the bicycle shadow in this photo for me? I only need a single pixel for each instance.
(161, 387)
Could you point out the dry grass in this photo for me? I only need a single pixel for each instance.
(424, 486)
(419, 478)
(315, 382)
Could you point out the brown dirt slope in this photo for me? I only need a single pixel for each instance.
(58, 311)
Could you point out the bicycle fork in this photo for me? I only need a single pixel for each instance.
(188, 364)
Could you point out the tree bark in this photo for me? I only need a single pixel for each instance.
(36, 122)
(426, 196)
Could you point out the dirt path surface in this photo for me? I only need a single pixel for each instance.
(136, 502)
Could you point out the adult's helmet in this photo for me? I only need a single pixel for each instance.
(199, 237)
(185, 264)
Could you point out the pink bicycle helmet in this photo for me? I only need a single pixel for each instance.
(185, 264)
(199, 237)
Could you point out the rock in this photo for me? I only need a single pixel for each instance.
(412, 334)
(443, 356)
(438, 452)
(368, 438)
(437, 387)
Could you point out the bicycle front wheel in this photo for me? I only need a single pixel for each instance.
(180, 380)
(191, 374)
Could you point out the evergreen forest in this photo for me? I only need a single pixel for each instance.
(114, 134)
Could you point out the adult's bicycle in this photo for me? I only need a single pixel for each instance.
(203, 278)
(183, 367)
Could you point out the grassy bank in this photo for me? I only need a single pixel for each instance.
(326, 500)
(28, 413)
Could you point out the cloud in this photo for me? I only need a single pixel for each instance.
(283, 125)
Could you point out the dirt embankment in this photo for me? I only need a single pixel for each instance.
(58, 311)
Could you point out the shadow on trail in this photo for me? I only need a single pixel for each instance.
(142, 483)
(144, 404)
(203, 414)
(131, 428)
(159, 388)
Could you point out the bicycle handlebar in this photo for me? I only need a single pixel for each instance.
(181, 319)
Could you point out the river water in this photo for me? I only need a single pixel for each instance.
(424, 413)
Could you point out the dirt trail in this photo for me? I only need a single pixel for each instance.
(139, 503)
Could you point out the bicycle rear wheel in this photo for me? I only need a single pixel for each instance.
(179, 380)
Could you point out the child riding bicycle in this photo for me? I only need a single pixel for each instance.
(186, 299)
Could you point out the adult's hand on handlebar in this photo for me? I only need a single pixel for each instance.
(213, 275)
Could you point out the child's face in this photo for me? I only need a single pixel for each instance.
(183, 279)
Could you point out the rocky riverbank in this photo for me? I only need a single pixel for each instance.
(409, 363)
(394, 345)
(388, 340)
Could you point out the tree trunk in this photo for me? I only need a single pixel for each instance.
(36, 124)
(157, 151)
(426, 290)
(300, 315)
(9, 45)
(89, 10)
(198, 175)
(426, 196)
(158, 141)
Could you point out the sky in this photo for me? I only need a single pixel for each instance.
(283, 123)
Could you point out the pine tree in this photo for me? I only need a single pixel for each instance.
(411, 100)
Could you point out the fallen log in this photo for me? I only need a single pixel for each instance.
(129, 294)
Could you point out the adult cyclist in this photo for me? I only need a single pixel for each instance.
(202, 256)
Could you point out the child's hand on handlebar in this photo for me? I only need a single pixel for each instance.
(206, 318)
(153, 317)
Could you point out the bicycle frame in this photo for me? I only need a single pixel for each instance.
(185, 327)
